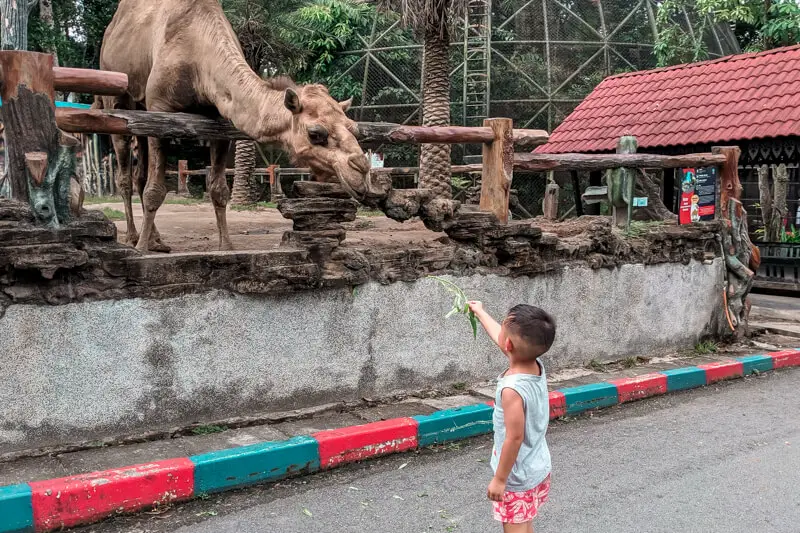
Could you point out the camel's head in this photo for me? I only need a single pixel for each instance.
(323, 138)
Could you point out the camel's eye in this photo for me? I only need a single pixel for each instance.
(318, 135)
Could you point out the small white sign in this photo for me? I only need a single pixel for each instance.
(640, 201)
(376, 160)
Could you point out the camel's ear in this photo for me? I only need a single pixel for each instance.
(346, 104)
(292, 101)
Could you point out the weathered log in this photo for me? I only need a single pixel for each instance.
(736, 243)
(550, 203)
(498, 168)
(594, 162)
(40, 160)
(187, 126)
(81, 80)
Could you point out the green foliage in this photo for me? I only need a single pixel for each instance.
(758, 26)
(78, 31)
(706, 348)
(460, 303)
(323, 29)
(113, 214)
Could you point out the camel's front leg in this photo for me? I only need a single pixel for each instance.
(140, 175)
(153, 196)
(122, 148)
(219, 191)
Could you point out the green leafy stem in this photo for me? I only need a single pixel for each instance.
(460, 303)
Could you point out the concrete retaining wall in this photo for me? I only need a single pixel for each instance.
(88, 370)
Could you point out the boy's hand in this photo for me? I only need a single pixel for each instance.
(496, 490)
(476, 307)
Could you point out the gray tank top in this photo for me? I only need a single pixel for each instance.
(533, 462)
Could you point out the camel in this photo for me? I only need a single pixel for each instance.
(183, 55)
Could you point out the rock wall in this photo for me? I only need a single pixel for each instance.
(97, 340)
(90, 370)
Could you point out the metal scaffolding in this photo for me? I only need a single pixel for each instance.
(530, 60)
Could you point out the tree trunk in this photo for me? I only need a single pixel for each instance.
(645, 185)
(779, 209)
(46, 14)
(434, 161)
(765, 199)
(244, 187)
(14, 26)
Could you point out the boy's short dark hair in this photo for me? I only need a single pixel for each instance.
(534, 326)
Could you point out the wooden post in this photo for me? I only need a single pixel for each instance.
(576, 191)
(498, 168)
(183, 185)
(40, 160)
(550, 204)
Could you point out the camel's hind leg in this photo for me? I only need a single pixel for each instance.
(219, 191)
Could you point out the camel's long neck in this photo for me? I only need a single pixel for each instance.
(243, 97)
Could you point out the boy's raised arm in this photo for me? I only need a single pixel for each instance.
(489, 324)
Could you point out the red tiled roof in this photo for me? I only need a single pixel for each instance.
(747, 96)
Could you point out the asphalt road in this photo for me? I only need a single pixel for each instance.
(720, 459)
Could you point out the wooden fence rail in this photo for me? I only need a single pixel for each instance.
(187, 126)
(499, 139)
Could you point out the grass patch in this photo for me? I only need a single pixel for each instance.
(460, 385)
(638, 228)
(634, 361)
(258, 206)
(208, 430)
(113, 214)
(596, 365)
(706, 348)
(94, 200)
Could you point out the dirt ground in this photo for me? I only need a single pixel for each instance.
(193, 228)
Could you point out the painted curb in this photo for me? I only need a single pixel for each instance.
(50, 505)
(16, 508)
(87, 498)
(257, 463)
(454, 424)
(356, 443)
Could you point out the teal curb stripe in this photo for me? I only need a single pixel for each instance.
(248, 465)
(594, 396)
(756, 364)
(690, 377)
(454, 424)
(16, 509)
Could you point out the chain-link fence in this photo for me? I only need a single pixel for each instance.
(540, 58)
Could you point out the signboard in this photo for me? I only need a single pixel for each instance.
(376, 159)
(698, 194)
(640, 201)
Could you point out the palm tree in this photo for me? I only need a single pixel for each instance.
(432, 22)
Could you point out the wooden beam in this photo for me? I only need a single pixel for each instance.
(498, 168)
(82, 80)
(594, 162)
(186, 126)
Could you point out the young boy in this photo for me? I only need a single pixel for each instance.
(520, 457)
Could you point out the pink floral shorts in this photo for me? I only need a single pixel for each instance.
(521, 507)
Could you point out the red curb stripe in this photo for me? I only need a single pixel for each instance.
(722, 370)
(87, 498)
(785, 358)
(355, 443)
(644, 386)
(558, 405)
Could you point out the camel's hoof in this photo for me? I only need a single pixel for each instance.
(159, 247)
(132, 239)
(225, 247)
